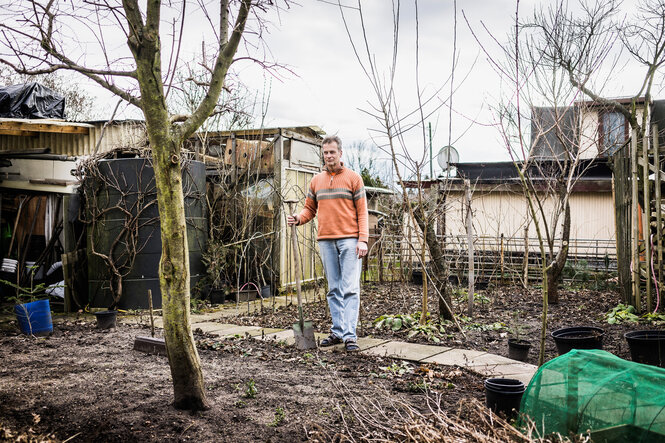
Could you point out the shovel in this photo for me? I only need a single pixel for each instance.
(303, 331)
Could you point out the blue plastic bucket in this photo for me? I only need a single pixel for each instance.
(35, 317)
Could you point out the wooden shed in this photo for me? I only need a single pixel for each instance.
(266, 167)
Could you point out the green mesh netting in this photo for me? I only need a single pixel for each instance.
(593, 390)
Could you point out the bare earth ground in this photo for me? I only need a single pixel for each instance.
(88, 384)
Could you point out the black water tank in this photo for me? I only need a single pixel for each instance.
(130, 184)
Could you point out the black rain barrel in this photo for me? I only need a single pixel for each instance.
(136, 180)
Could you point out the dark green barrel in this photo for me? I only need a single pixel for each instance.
(130, 184)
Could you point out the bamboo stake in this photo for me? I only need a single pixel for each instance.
(469, 236)
(526, 256)
(646, 219)
(635, 274)
(501, 259)
(659, 212)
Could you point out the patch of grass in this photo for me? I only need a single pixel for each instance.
(240, 404)
(398, 369)
(250, 389)
(420, 386)
(280, 414)
(627, 314)
(411, 322)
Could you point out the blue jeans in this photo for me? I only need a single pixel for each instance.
(342, 268)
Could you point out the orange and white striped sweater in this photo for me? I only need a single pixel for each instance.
(341, 203)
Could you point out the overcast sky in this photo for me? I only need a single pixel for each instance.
(329, 89)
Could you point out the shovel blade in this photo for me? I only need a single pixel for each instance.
(305, 336)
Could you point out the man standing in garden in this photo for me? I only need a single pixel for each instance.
(338, 196)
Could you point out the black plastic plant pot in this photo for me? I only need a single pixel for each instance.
(578, 337)
(217, 296)
(417, 277)
(106, 319)
(647, 347)
(503, 395)
(518, 349)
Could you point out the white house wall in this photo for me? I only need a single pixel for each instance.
(590, 123)
(501, 212)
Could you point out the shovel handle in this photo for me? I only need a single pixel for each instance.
(296, 257)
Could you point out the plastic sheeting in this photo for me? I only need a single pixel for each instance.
(31, 100)
(592, 390)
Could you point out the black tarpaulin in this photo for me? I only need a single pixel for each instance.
(31, 100)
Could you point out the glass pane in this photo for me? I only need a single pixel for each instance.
(614, 132)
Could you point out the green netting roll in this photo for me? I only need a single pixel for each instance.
(593, 390)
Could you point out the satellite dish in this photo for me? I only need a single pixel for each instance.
(446, 156)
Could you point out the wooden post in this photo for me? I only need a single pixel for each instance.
(152, 318)
(380, 260)
(501, 252)
(234, 157)
(67, 276)
(659, 212)
(635, 274)
(469, 240)
(646, 219)
(278, 243)
(408, 241)
(526, 256)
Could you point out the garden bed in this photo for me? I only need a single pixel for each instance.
(498, 313)
(90, 384)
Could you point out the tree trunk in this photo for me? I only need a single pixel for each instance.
(555, 269)
(188, 387)
(552, 287)
(439, 267)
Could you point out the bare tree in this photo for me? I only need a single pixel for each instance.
(590, 42)
(363, 157)
(390, 135)
(551, 61)
(41, 37)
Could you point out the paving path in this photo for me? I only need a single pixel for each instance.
(483, 363)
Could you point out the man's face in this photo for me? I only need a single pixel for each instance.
(332, 155)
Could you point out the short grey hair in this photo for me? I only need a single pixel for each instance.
(332, 138)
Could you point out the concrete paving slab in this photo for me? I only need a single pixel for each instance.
(280, 335)
(524, 377)
(211, 327)
(200, 318)
(489, 360)
(265, 331)
(406, 351)
(504, 370)
(363, 343)
(366, 343)
(459, 357)
(239, 331)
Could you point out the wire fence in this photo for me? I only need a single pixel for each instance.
(506, 259)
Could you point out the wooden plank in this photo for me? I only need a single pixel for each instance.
(52, 181)
(44, 127)
(659, 212)
(646, 219)
(18, 132)
(635, 276)
(150, 345)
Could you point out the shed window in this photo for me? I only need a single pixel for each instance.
(613, 132)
